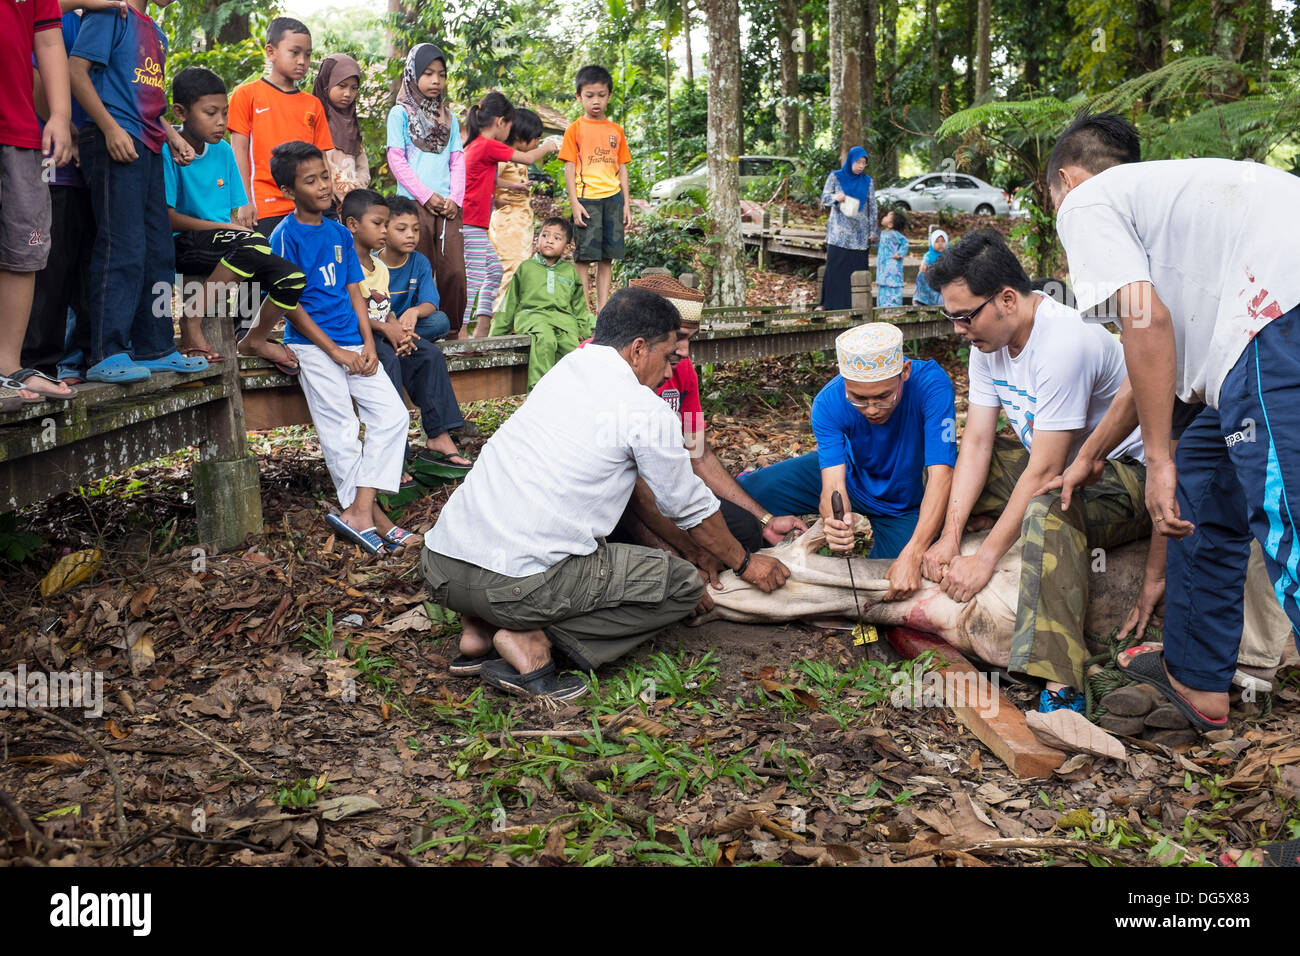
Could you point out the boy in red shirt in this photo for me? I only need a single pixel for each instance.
(27, 29)
(595, 158)
(263, 114)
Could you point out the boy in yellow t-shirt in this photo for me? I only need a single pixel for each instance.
(595, 158)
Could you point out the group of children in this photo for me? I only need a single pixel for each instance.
(890, 254)
(284, 208)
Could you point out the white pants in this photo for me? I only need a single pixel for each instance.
(330, 390)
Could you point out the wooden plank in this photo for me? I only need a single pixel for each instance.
(1001, 728)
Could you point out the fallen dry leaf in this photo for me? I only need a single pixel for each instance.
(52, 760)
(141, 600)
(1069, 730)
(111, 726)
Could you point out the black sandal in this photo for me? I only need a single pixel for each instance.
(466, 666)
(543, 683)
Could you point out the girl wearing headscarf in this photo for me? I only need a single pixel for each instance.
(338, 83)
(428, 162)
(850, 229)
(924, 295)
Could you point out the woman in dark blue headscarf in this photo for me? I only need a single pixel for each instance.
(851, 228)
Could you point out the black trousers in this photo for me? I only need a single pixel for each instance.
(424, 375)
(64, 282)
(837, 281)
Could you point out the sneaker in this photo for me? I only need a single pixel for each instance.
(1068, 699)
(545, 682)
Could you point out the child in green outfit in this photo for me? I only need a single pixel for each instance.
(546, 301)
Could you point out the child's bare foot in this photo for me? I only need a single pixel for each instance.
(275, 352)
(443, 444)
(193, 341)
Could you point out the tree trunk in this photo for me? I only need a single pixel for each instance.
(835, 62)
(1228, 33)
(809, 66)
(1147, 26)
(979, 165)
(936, 78)
(788, 11)
(728, 285)
(870, 20)
(889, 34)
(972, 17)
(234, 30)
(690, 59)
(851, 84)
(668, 99)
(396, 50)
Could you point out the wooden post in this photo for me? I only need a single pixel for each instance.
(764, 228)
(860, 286)
(226, 489)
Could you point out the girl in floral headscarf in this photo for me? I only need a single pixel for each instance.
(338, 83)
(427, 160)
(924, 295)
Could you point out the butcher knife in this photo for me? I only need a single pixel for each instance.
(863, 633)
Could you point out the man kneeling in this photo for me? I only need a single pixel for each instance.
(519, 549)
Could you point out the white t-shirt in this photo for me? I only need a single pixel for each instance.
(1062, 380)
(559, 473)
(1211, 235)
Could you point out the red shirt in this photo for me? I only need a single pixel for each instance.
(682, 392)
(19, 24)
(481, 158)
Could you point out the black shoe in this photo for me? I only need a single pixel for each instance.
(466, 666)
(545, 682)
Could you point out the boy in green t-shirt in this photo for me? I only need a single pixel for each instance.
(546, 301)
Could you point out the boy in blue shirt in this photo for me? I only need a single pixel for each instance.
(411, 289)
(329, 334)
(886, 441)
(200, 199)
(116, 68)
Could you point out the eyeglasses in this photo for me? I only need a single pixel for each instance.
(879, 403)
(967, 316)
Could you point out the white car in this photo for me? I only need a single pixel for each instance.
(752, 170)
(958, 192)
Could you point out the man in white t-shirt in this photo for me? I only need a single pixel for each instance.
(1054, 376)
(1193, 257)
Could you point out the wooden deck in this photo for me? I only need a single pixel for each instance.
(57, 446)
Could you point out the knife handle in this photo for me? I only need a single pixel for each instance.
(837, 506)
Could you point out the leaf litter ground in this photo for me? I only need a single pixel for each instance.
(289, 704)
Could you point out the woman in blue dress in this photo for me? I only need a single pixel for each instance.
(850, 229)
(889, 259)
(925, 295)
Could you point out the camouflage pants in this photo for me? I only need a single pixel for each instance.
(1056, 550)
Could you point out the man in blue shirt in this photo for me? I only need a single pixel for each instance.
(886, 441)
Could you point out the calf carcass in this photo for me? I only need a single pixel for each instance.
(983, 626)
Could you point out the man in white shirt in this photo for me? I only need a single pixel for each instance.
(1053, 376)
(519, 548)
(1194, 258)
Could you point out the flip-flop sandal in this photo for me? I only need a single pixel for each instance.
(466, 666)
(437, 459)
(398, 538)
(1286, 853)
(1149, 668)
(545, 682)
(175, 362)
(117, 370)
(206, 353)
(284, 367)
(10, 400)
(368, 540)
(21, 379)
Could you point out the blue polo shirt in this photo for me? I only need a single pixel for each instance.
(327, 257)
(886, 463)
(209, 187)
(411, 284)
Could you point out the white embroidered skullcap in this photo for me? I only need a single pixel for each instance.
(870, 353)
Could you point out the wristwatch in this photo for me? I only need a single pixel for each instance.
(767, 516)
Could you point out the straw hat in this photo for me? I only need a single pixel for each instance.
(689, 302)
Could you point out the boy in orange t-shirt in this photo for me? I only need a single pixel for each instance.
(595, 158)
(264, 114)
(271, 111)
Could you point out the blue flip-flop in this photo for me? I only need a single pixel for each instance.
(398, 538)
(175, 362)
(368, 540)
(118, 369)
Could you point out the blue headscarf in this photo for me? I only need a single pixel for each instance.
(857, 185)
